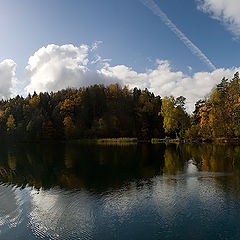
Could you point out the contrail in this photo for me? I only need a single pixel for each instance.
(191, 46)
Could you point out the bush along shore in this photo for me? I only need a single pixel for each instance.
(118, 114)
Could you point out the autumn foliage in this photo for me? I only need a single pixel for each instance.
(115, 112)
(92, 112)
(219, 115)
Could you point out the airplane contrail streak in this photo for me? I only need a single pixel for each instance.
(191, 46)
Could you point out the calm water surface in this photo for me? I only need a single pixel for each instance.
(75, 191)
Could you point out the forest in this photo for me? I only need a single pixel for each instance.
(218, 116)
(116, 112)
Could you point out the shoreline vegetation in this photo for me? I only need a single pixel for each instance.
(127, 141)
(115, 115)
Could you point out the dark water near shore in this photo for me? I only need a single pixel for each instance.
(75, 191)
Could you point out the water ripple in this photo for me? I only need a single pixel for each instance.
(58, 215)
(10, 207)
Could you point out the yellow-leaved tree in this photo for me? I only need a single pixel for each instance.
(11, 126)
(175, 118)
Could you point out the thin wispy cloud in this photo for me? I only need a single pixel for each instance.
(227, 12)
(190, 45)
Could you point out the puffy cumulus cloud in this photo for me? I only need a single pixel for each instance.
(165, 82)
(192, 87)
(56, 67)
(226, 11)
(126, 76)
(7, 78)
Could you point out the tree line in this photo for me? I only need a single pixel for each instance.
(114, 111)
(91, 112)
(217, 116)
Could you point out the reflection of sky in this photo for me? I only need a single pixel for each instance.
(10, 213)
(166, 206)
(58, 214)
(121, 202)
(53, 214)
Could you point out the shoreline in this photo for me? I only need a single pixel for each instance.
(128, 141)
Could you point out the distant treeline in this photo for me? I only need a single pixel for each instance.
(91, 112)
(112, 112)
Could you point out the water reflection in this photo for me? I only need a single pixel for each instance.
(73, 166)
(98, 168)
(72, 191)
(10, 213)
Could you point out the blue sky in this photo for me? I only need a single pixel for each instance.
(131, 35)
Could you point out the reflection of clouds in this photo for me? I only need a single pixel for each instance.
(121, 202)
(165, 196)
(190, 167)
(191, 177)
(183, 197)
(211, 197)
(193, 196)
(57, 214)
(10, 211)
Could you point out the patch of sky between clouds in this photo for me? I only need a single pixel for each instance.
(186, 41)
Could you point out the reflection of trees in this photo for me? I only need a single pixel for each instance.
(12, 161)
(75, 166)
(99, 167)
(174, 161)
(218, 158)
(214, 158)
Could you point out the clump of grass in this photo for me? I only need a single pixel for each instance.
(165, 140)
(116, 141)
(157, 140)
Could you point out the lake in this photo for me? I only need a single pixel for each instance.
(135, 191)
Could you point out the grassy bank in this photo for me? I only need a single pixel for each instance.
(108, 141)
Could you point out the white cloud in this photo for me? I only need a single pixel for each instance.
(164, 82)
(226, 11)
(95, 45)
(189, 68)
(56, 67)
(7, 77)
